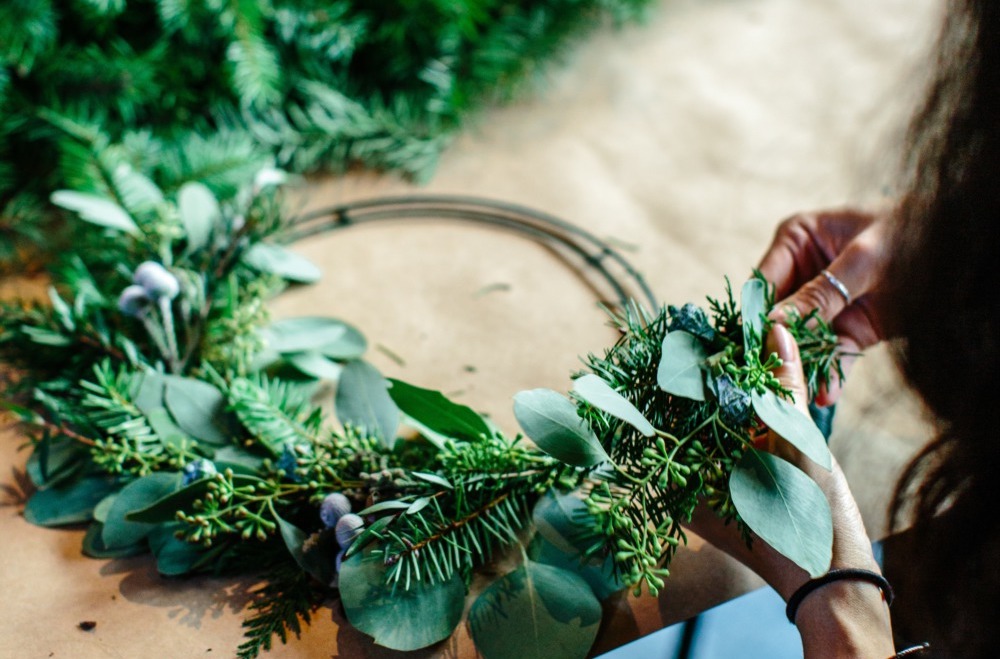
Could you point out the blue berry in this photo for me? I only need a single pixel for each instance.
(348, 528)
(334, 507)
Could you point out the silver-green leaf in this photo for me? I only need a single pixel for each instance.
(327, 336)
(199, 211)
(278, 260)
(785, 508)
(752, 308)
(552, 422)
(679, 372)
(96, 210)
(399, 618)
(598, 393)
(535, 612)
(797, 428)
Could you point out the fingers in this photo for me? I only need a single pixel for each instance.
(780, 341)
(852, 274)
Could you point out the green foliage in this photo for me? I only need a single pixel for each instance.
(536, 611)
(279, 607)
(206, 91)
(399, 619)
(700, 388)
(162, 409)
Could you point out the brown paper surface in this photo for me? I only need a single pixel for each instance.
(685, 139)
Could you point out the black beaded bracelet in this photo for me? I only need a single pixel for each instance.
(850, 574)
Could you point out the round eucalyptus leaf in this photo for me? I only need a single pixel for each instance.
(327, 336)
(785, 507)
(93, 545)
(315, 364)
(597, 572)
(96, 210)
(199, 211)
(198, 407)
(599, 393)
(398, 618)
(679, 372)
(797, 428)
(363, 400)
(277, 260)
(72, 503)
(552, 422)
(174, 557)
(753, 309)
(562, 519)
(535, 612)
(102, 508)
(119, 532)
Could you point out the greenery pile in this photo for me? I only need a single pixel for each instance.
(315, 84)
(170, 414)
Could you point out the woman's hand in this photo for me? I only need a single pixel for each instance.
(841, 619)
(850, 245)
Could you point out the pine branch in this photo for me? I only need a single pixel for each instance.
(280, 607)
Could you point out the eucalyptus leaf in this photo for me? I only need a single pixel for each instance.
(797, 428)
(535, 612)
(433, 478)
(199, 211)
(70, 504)
(237, 459)
(165, 428)
(147, 394)
(370, 532)
(433, 410)
(398, 618)
(55, 461)
(93, 545)
(165, 509)
(363, 400)
(785, 507)
(174, 557)
(753, 309)
(598, 393)
(277, 260)
(557, 517)
(318, 561)
(382, 506)
(418, 505)
(327, 336)
(679, 372)
(315, 364)
(198, 407)
(552, 422)
(597, 572)
(102, 508)
(119, 532)
(96, 210)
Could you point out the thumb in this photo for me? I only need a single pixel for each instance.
(781, 341)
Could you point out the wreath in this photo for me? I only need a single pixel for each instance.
(168, 413)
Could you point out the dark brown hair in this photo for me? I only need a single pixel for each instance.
(943, 293)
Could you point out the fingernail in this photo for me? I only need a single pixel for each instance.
(782, 342)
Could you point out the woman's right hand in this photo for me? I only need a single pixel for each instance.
(850, 245)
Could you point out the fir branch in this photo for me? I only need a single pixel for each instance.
(279, 607)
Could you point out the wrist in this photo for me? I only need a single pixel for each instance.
(845, 619)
